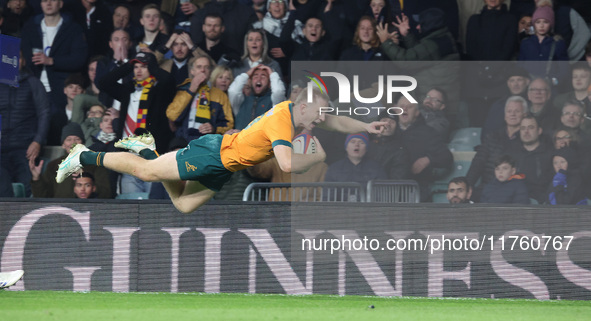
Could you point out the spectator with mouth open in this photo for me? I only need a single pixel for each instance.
(355, 167)
(255, 53)
(316, 45)
(267, 91)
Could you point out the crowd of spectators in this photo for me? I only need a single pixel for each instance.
(95, 71)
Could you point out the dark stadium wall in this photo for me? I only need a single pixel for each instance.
(257, 248)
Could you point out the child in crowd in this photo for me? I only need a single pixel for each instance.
(84, 186)
(507, 188)
(567, 184)
(543, 46)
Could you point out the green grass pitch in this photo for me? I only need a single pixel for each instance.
(64, 306)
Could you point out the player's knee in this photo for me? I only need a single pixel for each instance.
(183, 207)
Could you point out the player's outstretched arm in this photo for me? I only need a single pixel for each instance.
(349, 125)
(290, 162)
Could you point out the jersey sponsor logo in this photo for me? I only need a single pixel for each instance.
(190, 168)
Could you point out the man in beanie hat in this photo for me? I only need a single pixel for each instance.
(567, 185)
(517, 82)
(355, 167)
(73, 86)
(43, 183)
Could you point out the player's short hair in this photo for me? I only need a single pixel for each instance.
(316, 95)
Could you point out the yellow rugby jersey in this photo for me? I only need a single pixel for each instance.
(254, 144)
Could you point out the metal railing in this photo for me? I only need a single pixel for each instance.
(393, 191)
(305, 192)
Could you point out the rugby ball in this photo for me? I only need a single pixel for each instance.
(304, 144)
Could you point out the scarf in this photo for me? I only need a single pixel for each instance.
(106, 137)
(142, 111)
(272, 25)
(202, 110)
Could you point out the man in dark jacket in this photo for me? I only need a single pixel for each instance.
(539, 95)
(122, 51)
(241, 17)
(490, 34)
(60, 49)
(25, 121)
(95, 18)
(152, 38)
(212, 44)
(316, 45)
(427, 150)
(388, 149)
(432, 109)
(534, 159)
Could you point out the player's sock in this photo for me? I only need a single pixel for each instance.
(148, 153)
(92, 158)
